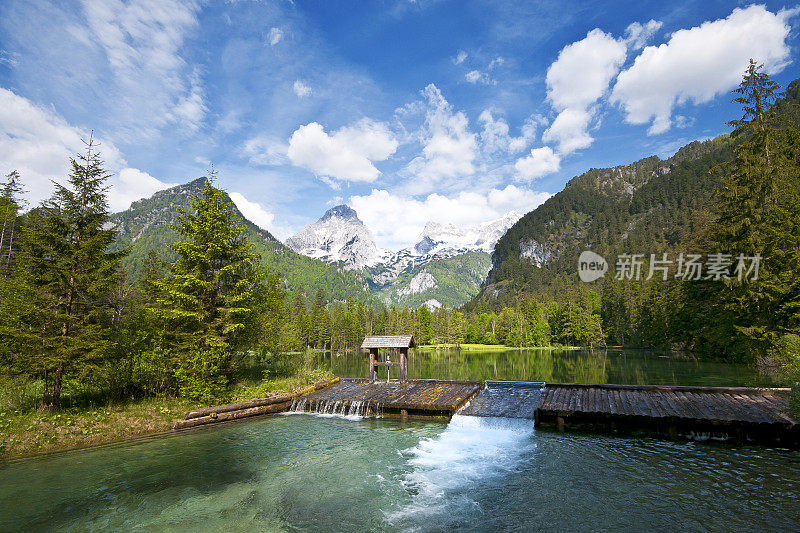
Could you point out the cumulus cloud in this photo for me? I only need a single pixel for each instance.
(38, 143)
(495, 134)
(347, 154)
(570, 130)
(253, 211)
(301, 89)
(132, 184)
(449, 147)
(575, 81)
(275, 36)
(397, 220)
(699, 63)
(541, 162)
(476, 76)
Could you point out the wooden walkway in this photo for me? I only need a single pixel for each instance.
(719, 413)
(723, 413)
(416, 398)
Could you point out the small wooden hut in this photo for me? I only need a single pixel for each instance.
(374, 343)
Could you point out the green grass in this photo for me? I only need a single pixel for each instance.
(489, 347)
(31, 431)
(27, 430)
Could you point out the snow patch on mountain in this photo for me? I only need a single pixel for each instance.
(437, 237)
(419, 283)
(338, 237)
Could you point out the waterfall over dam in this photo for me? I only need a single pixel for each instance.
(701, 413)
(506, 399)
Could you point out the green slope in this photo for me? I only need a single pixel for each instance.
(456, 280)
(146, 224)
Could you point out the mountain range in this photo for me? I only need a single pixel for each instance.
(650, 206)
(446, 265)
(336, 254)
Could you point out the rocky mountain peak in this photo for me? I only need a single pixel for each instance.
(339, 236)
(344, 212)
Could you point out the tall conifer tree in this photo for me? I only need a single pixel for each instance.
(66, 258)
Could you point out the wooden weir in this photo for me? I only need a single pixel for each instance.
(701, 413)
(716, 413)
(418, 398)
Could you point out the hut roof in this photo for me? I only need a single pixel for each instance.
(388, 341)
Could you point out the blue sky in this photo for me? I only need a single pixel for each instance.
(408, 111)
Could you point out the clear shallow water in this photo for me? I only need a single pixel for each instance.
(304, 472)
(627, 367)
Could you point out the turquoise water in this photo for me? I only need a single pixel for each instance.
(307, 473)
(628, 367)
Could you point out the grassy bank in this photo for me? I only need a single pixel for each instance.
(489, 347)
(30, 431)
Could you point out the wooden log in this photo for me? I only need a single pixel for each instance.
(258, 402)
(232, 415)
(238, 406)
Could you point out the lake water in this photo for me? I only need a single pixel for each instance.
(304, 472)
(628, 367)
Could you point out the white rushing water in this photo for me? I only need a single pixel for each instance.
(351, 410)
(469, 451)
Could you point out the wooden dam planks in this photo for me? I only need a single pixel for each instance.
(435, 396)
(725, 413)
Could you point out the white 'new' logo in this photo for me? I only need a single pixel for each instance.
(591, 266)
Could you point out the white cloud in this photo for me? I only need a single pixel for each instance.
(637, 34)
(460, 57)
(38, 143)
(275, 36)
(253, 211)
(132, 184)
(9, 58)
(191, 108)
(570, 130)
(575, 81)
(495, 137)
(496, 62)
(476, 76)
(347, 154)
(266, 150)
(397, 221)
(301, 89)
(541, 162)
(697, 64)
(142, 42)
(449, 147)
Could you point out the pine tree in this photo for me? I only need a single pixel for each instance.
(66, 258)
(758, 208)
(10, 205)
(207, 299)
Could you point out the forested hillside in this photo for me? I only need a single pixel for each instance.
(729, 195)
(146, 226)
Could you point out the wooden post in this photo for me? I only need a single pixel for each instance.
(403, 364)
(373, 352)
